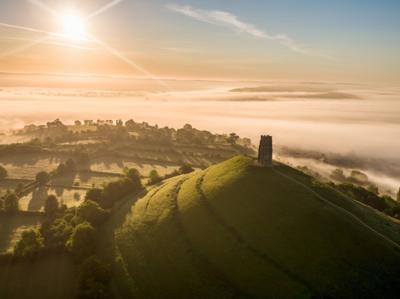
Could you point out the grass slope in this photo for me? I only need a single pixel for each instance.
(240, 231)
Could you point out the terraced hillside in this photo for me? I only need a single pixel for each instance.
(237, 230)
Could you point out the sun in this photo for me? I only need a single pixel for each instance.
(73, 26)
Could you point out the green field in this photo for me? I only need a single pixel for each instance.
(36, 199)
(241, 231)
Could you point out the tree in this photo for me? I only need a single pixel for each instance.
(187, 127)
(154, 177)
(233, 138)
(134, 176)
(398, 196)
(51, 205)
(29, 245)
(91, 212)
(82, 242)
(56, 232)
(10, 203)
(42, 177)
(338, 175)
(3, 173)
(185, 168)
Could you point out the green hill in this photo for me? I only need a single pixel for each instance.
(237, 230)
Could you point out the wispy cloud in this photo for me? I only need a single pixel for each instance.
(227, 19)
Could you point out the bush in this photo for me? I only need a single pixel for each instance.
(91, 212)
(82, 242)
(51, 205)
(42, 177)
(185, 168)
(29, 245)
(3, 173)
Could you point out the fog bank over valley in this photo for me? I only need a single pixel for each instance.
(359, 123)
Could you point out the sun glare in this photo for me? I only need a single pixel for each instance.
(74, 27)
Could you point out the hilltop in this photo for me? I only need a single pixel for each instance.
(236, 230)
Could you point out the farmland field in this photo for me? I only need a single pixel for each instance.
(36, 199)
(117, 166)
(27, 166)
(84, 179)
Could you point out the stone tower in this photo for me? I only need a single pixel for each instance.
(265, 151)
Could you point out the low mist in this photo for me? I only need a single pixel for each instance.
(346, 120)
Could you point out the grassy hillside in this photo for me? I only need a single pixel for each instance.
(240, 231)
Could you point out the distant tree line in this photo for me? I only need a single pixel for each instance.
(56, 132)
(371, 198)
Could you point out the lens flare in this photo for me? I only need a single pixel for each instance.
(74, 27)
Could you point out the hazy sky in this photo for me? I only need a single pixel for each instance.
(343, 40)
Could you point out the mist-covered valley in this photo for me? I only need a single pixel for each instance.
(348, 126)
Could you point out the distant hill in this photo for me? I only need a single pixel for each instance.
(236, 230)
